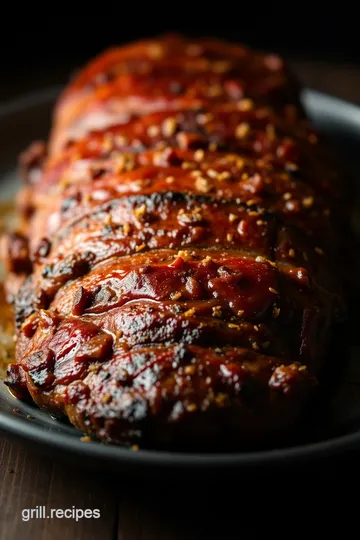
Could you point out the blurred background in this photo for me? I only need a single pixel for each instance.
(321, 44)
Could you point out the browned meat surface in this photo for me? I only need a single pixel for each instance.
(179, 257)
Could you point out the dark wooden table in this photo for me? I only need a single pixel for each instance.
(160, 508)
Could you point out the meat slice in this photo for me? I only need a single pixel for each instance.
(184, 264)
(169, 74)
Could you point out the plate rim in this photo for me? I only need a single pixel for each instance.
(25, 429)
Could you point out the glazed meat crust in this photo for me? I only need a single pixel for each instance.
(177, 273)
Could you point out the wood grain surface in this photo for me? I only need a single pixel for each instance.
(161, 508)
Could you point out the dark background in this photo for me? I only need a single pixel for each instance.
(41, 50)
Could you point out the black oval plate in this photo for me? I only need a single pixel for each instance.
(334, 427)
